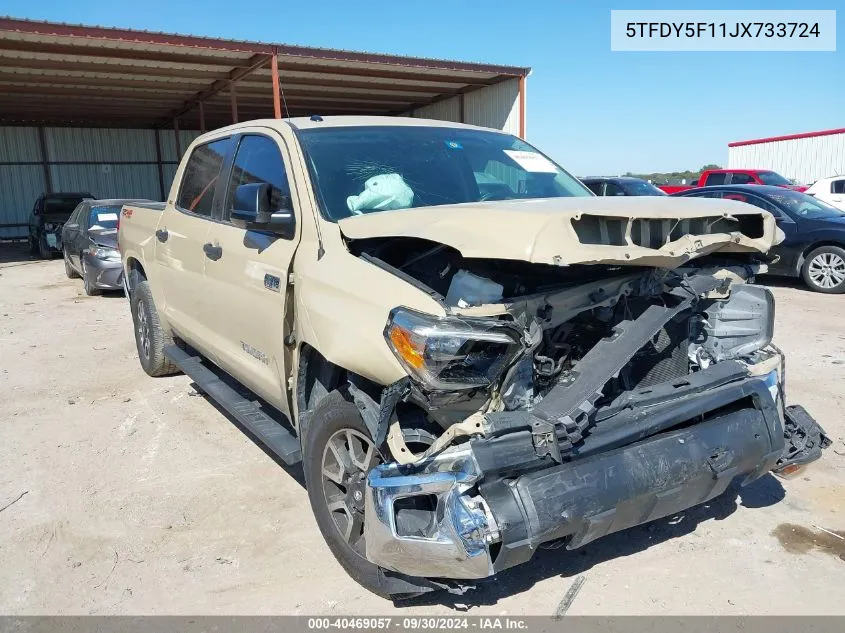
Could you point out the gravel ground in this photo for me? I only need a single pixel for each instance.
(140, 497)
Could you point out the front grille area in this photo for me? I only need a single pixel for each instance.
(654, 233)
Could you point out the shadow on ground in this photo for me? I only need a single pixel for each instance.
(782, 282)
(16, 253)
(564, 563)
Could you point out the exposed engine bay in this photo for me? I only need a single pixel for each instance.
(541, 321)
(542, 381)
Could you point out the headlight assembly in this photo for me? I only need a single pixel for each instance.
(448, 353)
(101, 252)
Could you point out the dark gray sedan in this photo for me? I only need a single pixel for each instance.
(89, 245)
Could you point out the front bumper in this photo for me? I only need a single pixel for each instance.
(488, 513)
(105, 274)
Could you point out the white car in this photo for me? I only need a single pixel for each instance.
(830, 190)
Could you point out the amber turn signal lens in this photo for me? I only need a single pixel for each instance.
(405, 347)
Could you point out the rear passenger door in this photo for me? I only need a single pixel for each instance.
(71, 233)
(181, 240)
(247, 277)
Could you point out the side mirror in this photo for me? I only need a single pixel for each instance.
(252, 210)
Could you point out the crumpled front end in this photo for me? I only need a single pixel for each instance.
(622, 407)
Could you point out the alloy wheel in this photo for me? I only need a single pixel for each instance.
(143, 330)
(827, 270)
(347, 458)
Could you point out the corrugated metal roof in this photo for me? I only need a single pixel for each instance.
(121, 77)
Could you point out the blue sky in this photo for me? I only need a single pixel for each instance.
(593, 110)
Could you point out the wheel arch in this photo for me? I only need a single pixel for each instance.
(316, 377)
(134, 271)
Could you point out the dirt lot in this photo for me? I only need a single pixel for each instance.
(140, 497)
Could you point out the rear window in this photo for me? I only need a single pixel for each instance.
(103, 218)
(200, 178)
(60, 205)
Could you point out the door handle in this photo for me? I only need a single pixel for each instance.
(212, 252)
(162, 235)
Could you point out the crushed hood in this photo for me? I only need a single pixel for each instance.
(645, 231)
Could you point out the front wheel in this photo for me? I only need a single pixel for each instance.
(87, 284)
(338, 455)
(824, 270)
(69, 271)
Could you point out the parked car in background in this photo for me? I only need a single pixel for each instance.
(621, 186)
(713, 177)
(814, 242)
(49, 215)
(89, 245)
(830, 190)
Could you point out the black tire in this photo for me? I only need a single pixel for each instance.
(44, 250)
(331, 415)
(87, 286)
(150, 340)
(69, 271)
(824, 270)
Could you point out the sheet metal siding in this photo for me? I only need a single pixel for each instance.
(99, 144)
(446, 110)
(102, 148)
(20, 185)
(495, 106)
(803, 159)
(108, 181)
(19, 144)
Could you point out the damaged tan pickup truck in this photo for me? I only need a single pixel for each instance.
(470, 353)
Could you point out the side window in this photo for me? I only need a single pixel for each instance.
(715, 179)
(259, 160)
(74, 217)
(742, 179)
(612, 189)
(837, 186)
(82, 216)
(765, 205)
(196, 193)
(595, 187)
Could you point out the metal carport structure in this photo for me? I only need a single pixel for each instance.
(118, 106)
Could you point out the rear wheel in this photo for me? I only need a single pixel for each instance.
(44, 250)
(824, 270)
(149, 337)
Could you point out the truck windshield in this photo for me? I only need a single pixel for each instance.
(772, 178)
(359, 170)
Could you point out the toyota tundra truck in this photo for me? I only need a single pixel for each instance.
(469, 353)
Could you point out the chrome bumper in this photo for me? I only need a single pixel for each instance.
(457, 539)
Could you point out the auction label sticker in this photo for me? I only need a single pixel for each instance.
(107, 217)
(707, 30)
(532, 161)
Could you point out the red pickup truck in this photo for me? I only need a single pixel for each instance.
(736, 177)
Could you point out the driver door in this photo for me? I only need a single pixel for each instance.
(247, 274)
